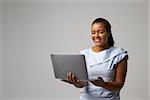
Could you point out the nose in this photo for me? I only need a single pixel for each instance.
(97, 34)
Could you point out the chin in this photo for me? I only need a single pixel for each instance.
(97, 44)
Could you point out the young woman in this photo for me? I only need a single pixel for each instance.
(106, 65)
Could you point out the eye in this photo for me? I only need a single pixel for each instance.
(101, 32)
(92, 32)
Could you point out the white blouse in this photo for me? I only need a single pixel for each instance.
(101, 64)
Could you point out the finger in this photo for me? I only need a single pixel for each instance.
(65, 80)
(74, 78)
(100, 78)
(70, 77)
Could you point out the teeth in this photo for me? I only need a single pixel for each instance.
(97, 40)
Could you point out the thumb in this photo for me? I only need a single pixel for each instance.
(99, 77)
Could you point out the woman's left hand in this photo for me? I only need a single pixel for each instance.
(98, 82)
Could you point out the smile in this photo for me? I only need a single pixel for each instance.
(97, 40)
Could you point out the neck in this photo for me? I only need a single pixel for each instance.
(97, 48)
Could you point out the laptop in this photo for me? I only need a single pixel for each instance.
(74, 63)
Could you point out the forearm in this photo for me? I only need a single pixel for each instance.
(112, 86)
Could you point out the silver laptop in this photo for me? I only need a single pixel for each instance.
(64, 63)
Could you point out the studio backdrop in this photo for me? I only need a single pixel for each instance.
(31, 31)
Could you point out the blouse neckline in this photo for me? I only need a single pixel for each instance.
(99, 51)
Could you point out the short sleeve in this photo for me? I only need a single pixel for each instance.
(120, 57)
(116, 59)
(82, 52)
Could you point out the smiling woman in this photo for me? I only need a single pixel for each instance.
(106, 64)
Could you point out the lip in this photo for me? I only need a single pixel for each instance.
(97, 40)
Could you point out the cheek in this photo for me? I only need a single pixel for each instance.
(105, 37)
(92, 36)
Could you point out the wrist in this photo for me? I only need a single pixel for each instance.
(79, 84)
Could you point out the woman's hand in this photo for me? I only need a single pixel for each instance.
(98, 82)
(72, 80)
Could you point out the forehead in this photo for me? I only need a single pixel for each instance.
(98, 26)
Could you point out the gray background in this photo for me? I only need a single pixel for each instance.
(31, 30)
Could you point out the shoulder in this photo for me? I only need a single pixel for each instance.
(85, 51)
(117, 51)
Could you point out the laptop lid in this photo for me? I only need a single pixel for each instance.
(64, 63)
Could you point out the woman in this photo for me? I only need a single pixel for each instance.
(106, 65)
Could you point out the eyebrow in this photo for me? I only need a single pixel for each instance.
(99, 30)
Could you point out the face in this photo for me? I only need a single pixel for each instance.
(99, 34)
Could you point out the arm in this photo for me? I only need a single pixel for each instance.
(117, 84)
